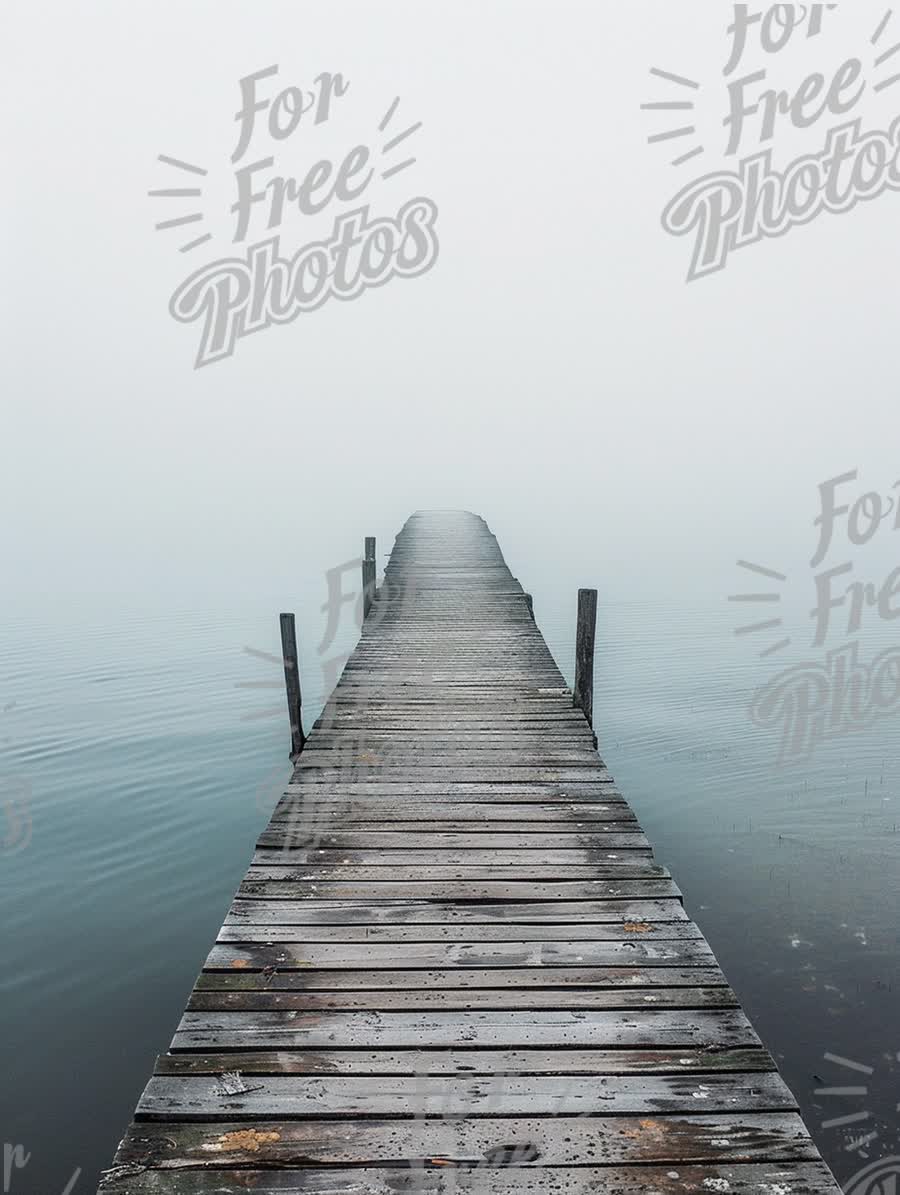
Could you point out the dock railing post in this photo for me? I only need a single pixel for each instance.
(368, 575)
(292, 683)
(583, 693)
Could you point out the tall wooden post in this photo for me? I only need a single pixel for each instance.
(292, 683)
(368, 575)
(529, 602)
(583, 693)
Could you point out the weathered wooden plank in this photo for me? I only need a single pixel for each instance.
(469, 889)
(486, 699)
(459, 913)
(475, 696)
(371, 811)
(447, 787)
(567, 736)
(423, 760)
(265, 928)
(259, 999)
(289, 1030)
(769, 1178)
(686, 1060)
(411, 840)
(517, 978)
(365, 798)
(515, 770)
(465, 712)
(203, 1097)
(307, 821)
(429, 873)
(633, 863)
(445, 955)
(537, 1141)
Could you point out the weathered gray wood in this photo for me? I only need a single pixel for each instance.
(405, 809)
(686, 1060)
(514, 766)
(589, 836)
(583, 691)
(500, 914)
(554, 1142)
(488, 1000)
(454, 963)
(512, 953)
(362, 786)
(634, 978)
(770, 1178)
(453, 821)
(264, 926)
(380, 874)
(468, 889)
(291, 1030)
(457, 1095)
(368, 575)
(260, 999)
(292, 683)
(338, 715)
(634, 863)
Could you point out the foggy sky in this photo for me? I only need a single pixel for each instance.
(553, 371)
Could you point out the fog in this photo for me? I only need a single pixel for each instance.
(553, 371)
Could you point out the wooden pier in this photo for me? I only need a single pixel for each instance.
(454, 963)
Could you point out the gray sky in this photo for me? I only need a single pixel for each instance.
(553, 371)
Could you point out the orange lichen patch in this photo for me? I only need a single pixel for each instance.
(643, 1126)
(242, 1141)
(241, 962)
(637, 927)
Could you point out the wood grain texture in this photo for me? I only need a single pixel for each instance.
(493, 1176)
(454, 963)
(292, 683)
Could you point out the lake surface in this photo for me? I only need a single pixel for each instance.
(138, 767)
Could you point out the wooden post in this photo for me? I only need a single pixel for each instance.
(368, 575)
(583, 693)
(529, 602)
(292, 683)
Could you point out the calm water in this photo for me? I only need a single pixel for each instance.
(151, 767)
